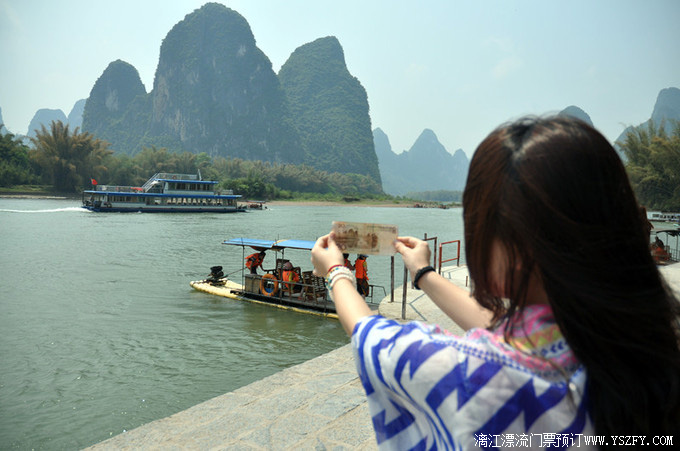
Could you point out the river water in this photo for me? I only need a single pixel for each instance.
(100, 331)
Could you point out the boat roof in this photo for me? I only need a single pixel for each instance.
(204, 182)
(271, 244)
(670, 232)
(175, 195)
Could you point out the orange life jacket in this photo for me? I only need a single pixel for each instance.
(254, 260)
(659, 253)
(360, 268)
(290, 276)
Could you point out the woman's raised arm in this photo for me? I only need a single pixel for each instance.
(349, 304)
(457, 303)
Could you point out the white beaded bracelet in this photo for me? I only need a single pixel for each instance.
(336, 273)
(339, 276)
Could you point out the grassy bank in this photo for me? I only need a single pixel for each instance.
(310, 199)
(35, 191)
(394, 203)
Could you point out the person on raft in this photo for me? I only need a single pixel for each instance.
(253, 261)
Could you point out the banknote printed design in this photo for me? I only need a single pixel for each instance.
(365, 238)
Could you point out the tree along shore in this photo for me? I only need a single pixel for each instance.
(65, 162)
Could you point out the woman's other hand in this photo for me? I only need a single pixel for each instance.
(414, 252)
(326, 254)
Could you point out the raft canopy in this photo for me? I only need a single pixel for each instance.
(278, 245)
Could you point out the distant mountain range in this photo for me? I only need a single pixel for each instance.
(329, 109)
(426, 166)
(3, 129)
(215, 91)
(576, 112)
(45, 116)
(666, 109)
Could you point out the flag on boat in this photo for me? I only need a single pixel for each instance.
(94, 182)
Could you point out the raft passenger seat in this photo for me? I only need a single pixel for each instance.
(314, 287)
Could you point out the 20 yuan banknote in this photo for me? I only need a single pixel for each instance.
(365, 238)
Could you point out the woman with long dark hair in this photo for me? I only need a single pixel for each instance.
(572, 333)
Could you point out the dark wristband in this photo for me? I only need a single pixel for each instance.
(421, 272)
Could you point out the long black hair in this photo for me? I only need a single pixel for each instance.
(555, 194)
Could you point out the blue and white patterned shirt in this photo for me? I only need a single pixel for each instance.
(428, 389)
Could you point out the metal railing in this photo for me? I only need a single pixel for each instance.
(441, 253)
(173, 176)
(437, 264)
(434, 259)
(170, 176)
(371, 299)
(149, 182)
(115, 188)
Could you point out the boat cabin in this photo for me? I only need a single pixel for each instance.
(164, 192)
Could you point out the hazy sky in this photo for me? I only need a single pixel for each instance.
(458, 68)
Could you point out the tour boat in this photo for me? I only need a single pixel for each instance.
(273, 286)
(163, 193)
(666, 217)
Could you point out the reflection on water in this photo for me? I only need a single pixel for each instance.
(100, 331)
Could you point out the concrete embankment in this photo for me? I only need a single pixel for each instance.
(319, 404)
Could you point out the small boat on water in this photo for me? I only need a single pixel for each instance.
(256, 204)
(662, 251)
(163, 193)
(285, 285)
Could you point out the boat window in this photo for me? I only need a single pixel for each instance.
(122, 199)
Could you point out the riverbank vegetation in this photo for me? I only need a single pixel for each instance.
(65, 161)
(454, 197)
(653, 165)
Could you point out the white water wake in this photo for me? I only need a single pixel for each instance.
(53, 210)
